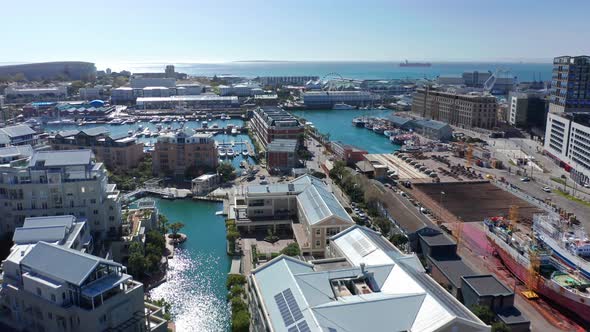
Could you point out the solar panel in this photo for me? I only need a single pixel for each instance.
(293, 329)
(283, 309)
(293, 306)
(303, 327)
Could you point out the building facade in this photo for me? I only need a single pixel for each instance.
(270, 123)
(175, 153)
(204, 184)
(462, 110)
(327, 99)
(205, 101)
(286, 80)
(115, 152)
(60, 182)
(570, 84)
(281, 155)
(526, 109)
(347, 153)
(17, 135)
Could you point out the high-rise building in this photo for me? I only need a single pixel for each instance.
(170, 71)
(570, 85)
(59, 182)
(568, 121)
(175, 153)
(526, 109)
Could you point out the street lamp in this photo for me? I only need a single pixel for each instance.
(441, 205)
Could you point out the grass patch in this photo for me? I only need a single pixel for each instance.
(571, 198)
(558, 180)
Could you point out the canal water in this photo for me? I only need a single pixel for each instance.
(124, 129)
(338, 123)
(198, 271)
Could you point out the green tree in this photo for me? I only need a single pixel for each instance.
(137, 262)
(241, 322)
(226, 172)
(398, 240)
(163, 223)
(484, 313)
(156, 243)
(500, 327)
(235, 279)
(119, 81)
(175, 228)
(75, 87)
(292, 249)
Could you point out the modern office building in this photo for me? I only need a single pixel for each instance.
(20, 94)
(281, 155)
(205, 101)
(270, 123)
(175, 153)
(327, 99)
(17, 135)
(566, 141)
(458, 109)
(116, 152)
(59, 182)
(305, 205)
(368, 285)
(274, 81)
(570, 84)
(527, 109)
(52, 288)
(144, 82)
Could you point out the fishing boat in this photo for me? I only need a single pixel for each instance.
(569, 244)
(369, 125)
(390, 132)
(378, 129)
(230, 152)
(131, 121)
(358, 122)
(534, 265)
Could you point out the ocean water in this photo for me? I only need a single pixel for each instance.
(338, 123)
(197, 273)
(353, 70)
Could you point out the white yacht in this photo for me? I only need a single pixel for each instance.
(234, 131)
(222, 152)
(342, 106)
(116, 121)
(230, 153)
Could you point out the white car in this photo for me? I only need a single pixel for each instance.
(547, 189)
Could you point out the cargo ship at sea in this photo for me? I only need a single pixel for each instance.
(569, 243)
(535, 266)
(415, 64)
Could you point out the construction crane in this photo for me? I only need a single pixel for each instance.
(532, 281)
(513, 217)
(488, 85)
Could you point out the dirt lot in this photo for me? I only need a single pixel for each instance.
(470, 201)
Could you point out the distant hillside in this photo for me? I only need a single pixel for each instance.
(73, 70)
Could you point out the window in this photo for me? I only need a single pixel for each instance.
(93, 201)
(318, 232)
(53, 298)
(49, 315)
(317, 243)
(95, 212)
(39, 291)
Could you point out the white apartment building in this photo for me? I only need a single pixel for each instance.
(59, 182)
(66, 231)
(567, 141)
(17, 135)
(51, 288)
(317, 212)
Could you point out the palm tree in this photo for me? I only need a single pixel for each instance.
(174, 228)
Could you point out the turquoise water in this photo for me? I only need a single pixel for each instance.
(123, 129)
(338, 123)
(348, 69)
(198, 271)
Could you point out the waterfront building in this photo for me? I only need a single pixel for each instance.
(177, 152)
(20, 94)
(137, 82)
(327, 99)
(347, 153)
(52, 288)
(241, 90)
(155, 91)
(281, 155)
(566, 141)
(465, 110)
(123, 95)
(17, 135)
(389, 87)
(305, 205)
(275, 81)
(189, 89)
(91, 93)
(66, 231)
(570, 84)
(13, 153)
(205, 101)
(527, 109)
(116, 152)
(270, 123)
(49, 111)
(368, 286)
(52, 70)
(432, 129)
(204, 184)
(59, 182)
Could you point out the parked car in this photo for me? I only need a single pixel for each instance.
(263, 182)
(547, 189)
(525, 179)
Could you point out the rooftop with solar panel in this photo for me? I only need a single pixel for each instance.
(379, 289)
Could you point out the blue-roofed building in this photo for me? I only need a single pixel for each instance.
(48, 287)
(305, 205)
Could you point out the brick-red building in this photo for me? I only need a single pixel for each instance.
(270, 123)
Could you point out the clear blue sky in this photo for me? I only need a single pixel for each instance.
(111, 32)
